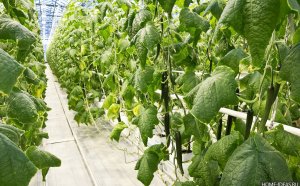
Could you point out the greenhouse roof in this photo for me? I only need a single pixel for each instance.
(49, 12)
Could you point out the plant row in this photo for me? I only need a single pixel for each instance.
(135, 55)
(22, 88)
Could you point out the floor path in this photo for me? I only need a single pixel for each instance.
(88, 157)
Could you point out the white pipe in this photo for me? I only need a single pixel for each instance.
(269, 123)
(242, 115)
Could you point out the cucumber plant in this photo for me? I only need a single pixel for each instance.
(200, 56)
(22, 85)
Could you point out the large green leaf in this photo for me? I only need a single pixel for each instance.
(22, 108)
(255, 20)
(254, 162)
(187, 81)
(215, 92)
(11, 134)
(284, 142)
(222, 149)
(290, 71)
(42, 159)
(208, 171)
(232, 59)
(190, 19)
(167, 5)
(146, 39)
(146, 122)
(140, 20)
(31, 77)
(16, 169)
(10, 29)
(148, 163)
(15, 129)
(207, 167)
(10, 70)
(143, 78)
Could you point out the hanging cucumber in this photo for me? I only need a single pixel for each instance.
(272, 93)
(165, 98)
(249, 121)
(219, 133)
(179, 151)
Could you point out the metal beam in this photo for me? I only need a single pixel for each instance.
(51, 5)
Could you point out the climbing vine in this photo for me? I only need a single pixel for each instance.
(173, 65)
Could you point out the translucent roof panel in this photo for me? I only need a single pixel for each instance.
(49, 12)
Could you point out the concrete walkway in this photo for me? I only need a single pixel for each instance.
(88, 156)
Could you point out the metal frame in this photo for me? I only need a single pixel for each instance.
(49, 12)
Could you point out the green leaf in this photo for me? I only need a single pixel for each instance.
(22, 108)
(167, 5)
(15, 129)
(109, 100)
(113, 111)
(283, 141)
(290, 72)
(186, 183)
(208, 166)
(146, 39)
(31, 77)
(10, 70)
(11, 133)
(240, 126)
(250, 84)
(232, 59)
(215, 8)
(16, 169)
(148, 163)
(296, 36)
(110, 81)
(222, 149)
(140, 20)
(146, 122)
(208, 171)
(254, 162)
(143, 78)
(255, 20)
(42, 159)
(191, 126)
(10, 29)
(187, 81)
(115, 134)
(190, 19)
(215, 92)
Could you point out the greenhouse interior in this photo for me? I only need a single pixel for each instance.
(150, 92)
